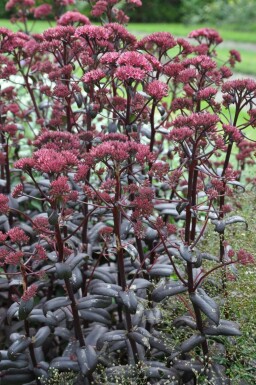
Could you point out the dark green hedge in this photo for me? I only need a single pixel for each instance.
(157, 11)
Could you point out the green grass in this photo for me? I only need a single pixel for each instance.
(177, 29)
(228, 33)
(37, 27)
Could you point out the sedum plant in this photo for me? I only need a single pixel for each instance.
(116, 160)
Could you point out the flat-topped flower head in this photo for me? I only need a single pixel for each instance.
(193, 125)
(157, 89)
(132, 65)
(61, 190)
(18, 235)
(245, 258)
(119, 150)
(42, 11)
(57, 140)
(109, 58)
(19, 3)
(208, 35)
(232, 132)
(239, 85)
(7, 67)
(99, 8)
(119, 33)
(59, 32)
(93, 76)
(158, 40)
(197, 120)
(73, 17)
(94, 33)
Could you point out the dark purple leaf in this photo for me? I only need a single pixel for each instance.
(19, 346)
(96, 315)
(192, 342)
(25, 308)
(185, 321)
(160, 270)
(63, 270)
(129, 300)
(167, 290)
(113, 336)
(41, 336)
(56, 303)
(93, 301)
(87, 359)
(208, 307)
(64, 363)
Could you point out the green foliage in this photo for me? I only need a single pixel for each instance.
(237, 12)
(3, 12)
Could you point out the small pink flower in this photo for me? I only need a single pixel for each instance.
(14, 258)
(162, 40)
(10, 128)
(210, 35)
(132, 65)
(234, 57)
(159, 170)
(18, 235)
(244, 257)
(93, 76)
(180, 134)
(24, 164)
(4, 208)
(72, 17)
(139, 229)
(107, 230)
(227, 208)
(206, 93)
(60, 187)
(157, 89)
(18, 191)
(109, 58)
(233, 132)
(2, 237)
(212, 193)
(40, 252)
(29, 293)
(41, 224)
(171, 229)
(42, 11)
(61, 91)
(99, 8)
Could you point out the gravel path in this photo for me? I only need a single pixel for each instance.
(238, 45)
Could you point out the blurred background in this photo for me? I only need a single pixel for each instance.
(239, 14)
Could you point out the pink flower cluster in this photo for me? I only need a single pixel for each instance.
(132, 66)
(42, 11)
(21, 3)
